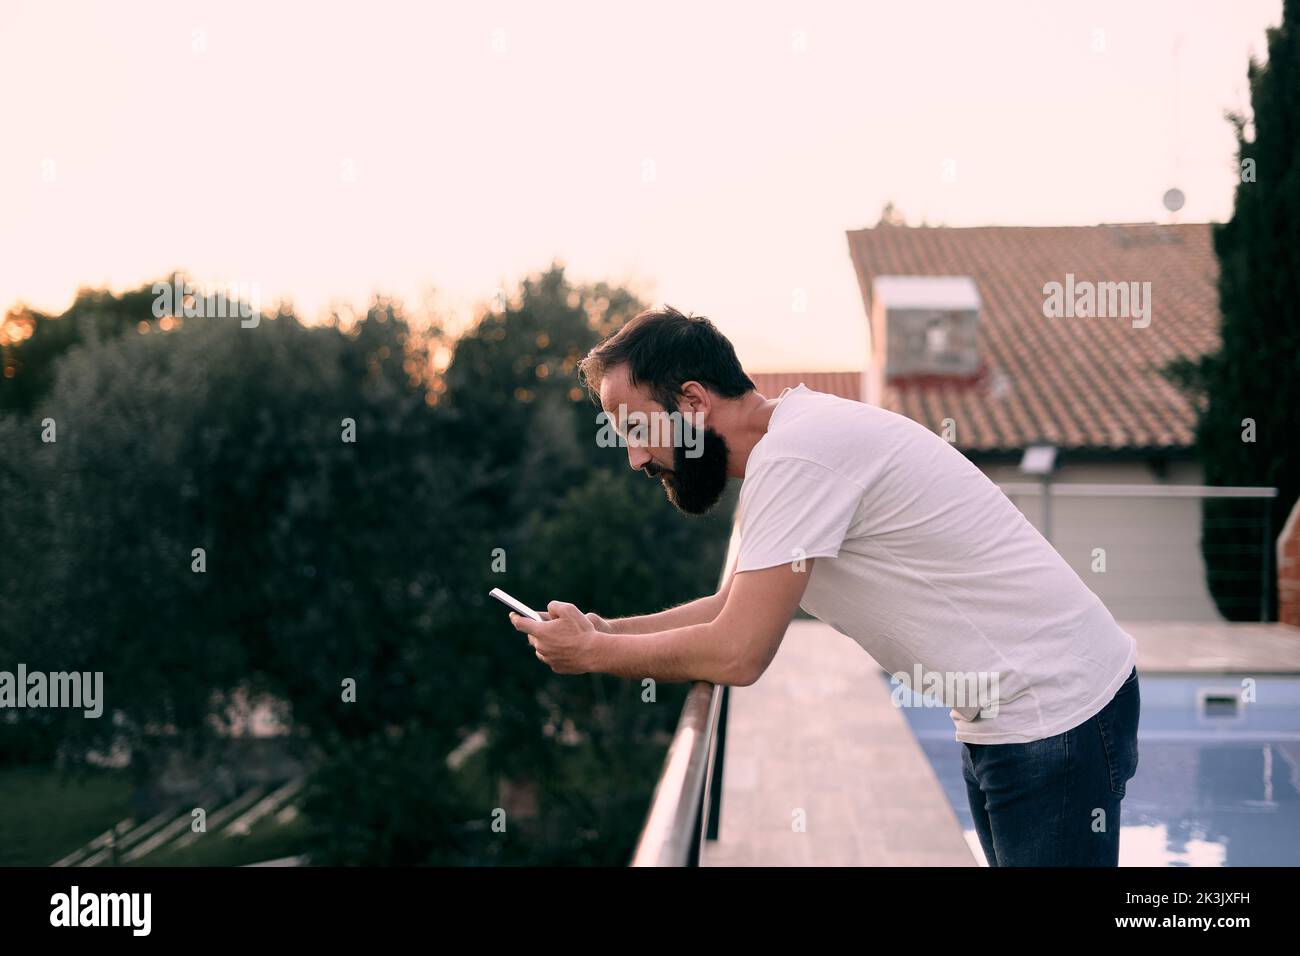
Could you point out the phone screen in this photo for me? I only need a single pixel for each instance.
(519, 607)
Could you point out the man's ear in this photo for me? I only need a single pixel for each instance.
(694, 398)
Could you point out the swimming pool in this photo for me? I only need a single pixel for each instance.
(1218, 779)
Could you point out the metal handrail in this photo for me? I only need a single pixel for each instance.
(671, 836)
(1046, 490)
(687, 800)
(1059, 489)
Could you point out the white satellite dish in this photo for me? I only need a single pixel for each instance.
(1174, 199)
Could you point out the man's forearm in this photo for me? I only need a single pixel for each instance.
(700, 611)
(694, 652)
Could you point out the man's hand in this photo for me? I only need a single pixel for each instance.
(598, 622)
(564, 642)
(733, 648)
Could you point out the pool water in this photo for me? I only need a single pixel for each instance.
(1218, 778)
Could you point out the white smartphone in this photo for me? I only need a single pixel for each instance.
(519, 607)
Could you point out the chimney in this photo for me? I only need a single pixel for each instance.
(924, 329)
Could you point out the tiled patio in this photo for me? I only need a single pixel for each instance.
(818, 733)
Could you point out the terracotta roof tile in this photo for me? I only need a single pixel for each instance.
(843, 384)
(1077, 383)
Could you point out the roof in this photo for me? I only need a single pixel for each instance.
(843, 384)
(1077, 383)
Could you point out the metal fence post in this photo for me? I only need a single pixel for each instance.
(715, 777)
(1267, 564)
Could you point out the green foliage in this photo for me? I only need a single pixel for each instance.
(328, 560)
(1256, 373)
(389, 799)
(94, 316)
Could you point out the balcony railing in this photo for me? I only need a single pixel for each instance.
(1152, 535)
(687, 803)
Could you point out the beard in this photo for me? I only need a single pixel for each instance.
(695, 485)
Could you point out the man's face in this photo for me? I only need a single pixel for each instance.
(693, 471)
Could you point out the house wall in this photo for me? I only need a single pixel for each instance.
(1153, 565)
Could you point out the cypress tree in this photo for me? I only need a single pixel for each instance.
(1255, 375)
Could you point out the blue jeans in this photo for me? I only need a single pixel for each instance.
(1055, 801)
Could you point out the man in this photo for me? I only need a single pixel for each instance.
(880, 528)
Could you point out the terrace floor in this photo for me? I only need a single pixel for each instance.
(817, 742)
(819, 734)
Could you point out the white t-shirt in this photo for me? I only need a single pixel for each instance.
(924, 561)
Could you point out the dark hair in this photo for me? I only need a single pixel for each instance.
(662, 349)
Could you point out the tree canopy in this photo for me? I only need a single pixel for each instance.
(325, 559)
(1249, 390)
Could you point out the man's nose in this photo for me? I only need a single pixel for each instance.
(637, 457)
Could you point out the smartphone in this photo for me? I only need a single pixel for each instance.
(519, 607)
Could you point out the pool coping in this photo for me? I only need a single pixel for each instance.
(1215, 647)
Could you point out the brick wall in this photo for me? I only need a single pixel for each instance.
(1288, 570)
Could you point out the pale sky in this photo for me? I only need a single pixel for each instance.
(710, 155)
